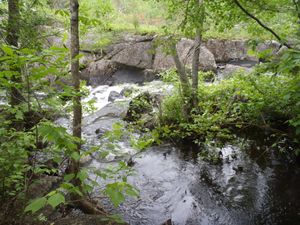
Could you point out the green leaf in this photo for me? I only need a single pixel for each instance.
(36, 205)
(75, 156)
(103, 154)
(56, 200)
(69, 177)
(7, 50)
(130, 191)
(82, 175)
(114, 194)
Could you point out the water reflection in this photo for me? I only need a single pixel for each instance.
(176, 185)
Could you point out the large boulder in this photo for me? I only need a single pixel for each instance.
(268, 49)
(138, 55)
(228, 50)
(88, 58)
(230, 69)
(184, 47)
(136, 38)
(99, 72)
(237, 50)
(96, 124)
(113, 110)
(112, 73)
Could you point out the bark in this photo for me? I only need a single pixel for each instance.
(261, 24)
(13, 23)
(81, 202)
(196, 63)
(77, 108)
(196, 55)
(183, 77)
(12, 39)
(185, 84)
(195, 68)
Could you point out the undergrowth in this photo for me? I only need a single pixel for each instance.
(262, 100)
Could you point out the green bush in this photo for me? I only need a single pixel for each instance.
(261, 100)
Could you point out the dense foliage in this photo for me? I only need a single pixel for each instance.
(267, 99)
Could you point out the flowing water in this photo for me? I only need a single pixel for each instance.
(250, 186)
(176, 185)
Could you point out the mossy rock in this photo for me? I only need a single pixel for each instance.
(139, 105)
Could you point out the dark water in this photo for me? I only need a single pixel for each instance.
(249, 187)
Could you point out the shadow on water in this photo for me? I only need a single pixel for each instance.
(251, 186)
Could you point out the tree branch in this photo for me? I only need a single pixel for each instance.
(262, 24)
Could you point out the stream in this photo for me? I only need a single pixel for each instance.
(250, 186)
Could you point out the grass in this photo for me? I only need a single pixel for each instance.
(149, 17)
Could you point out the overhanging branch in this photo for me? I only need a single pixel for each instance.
(261, 24)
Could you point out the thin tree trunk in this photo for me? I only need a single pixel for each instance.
(12, 39)
(77, 108)
(74, 167)
(184, 80)
(13, 23)
(195, 68)
(196, 55)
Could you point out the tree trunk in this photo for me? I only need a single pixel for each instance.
(12, 39)
(195, 68)
(13, 23)
(184, 82)
(77, 108)
(74, 167)
(195, 62)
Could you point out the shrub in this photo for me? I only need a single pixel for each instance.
(262, 100)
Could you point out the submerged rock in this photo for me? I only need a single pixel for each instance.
(127, 91)
(113, 110)
(113, 95)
